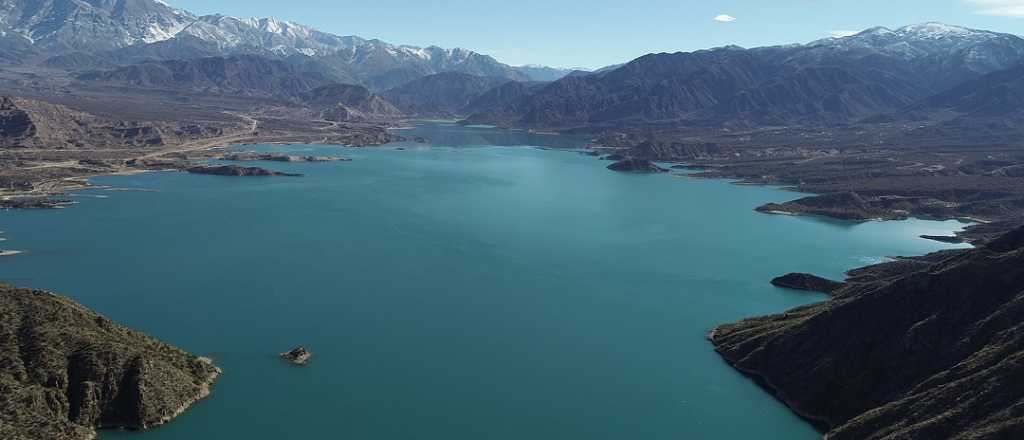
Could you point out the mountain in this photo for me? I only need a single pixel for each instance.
(118, 32)
(938, 55)
(246, 75)
(359, 57)
(501, 102)
(91, 25)
(997, 94)
(929, 347)
(833, 81)
(817, 94)
(349, 103)
(443, 94)
(653, 87)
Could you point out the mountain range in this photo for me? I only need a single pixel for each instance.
(79, 34)
(831, 81)
(919, 72)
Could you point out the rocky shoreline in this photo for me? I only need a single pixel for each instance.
(853, 182)
(917, 347)
(924, 347)
(67, 371)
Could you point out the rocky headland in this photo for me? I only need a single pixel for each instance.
(926, 347)
(843, 206)
(66, 371)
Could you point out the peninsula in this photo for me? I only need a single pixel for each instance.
(66, 371)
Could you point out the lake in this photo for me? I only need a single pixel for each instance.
(478, 287)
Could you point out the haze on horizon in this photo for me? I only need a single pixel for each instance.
(565, 33)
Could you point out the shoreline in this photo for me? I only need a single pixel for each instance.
(741, 182)
(64, 185)
(819, 425)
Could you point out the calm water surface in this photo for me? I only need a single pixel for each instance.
(461, 290)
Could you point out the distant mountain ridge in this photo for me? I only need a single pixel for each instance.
(247, 75)
(43, 29)
(831, 81)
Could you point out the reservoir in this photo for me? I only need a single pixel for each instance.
(486, 285)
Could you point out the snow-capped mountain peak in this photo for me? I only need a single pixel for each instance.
(918, 40)
(933, 30)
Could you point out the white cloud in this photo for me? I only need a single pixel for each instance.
(1001, 8)
(841, 34)
(725, 18)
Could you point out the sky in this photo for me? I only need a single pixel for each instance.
(596, 33)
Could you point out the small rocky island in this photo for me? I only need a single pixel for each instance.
(632, 165)
(236, 171)
(297, 356)
(66, 371)
(806, 282)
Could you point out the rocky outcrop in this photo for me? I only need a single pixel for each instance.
(806, 282)
(236, 171)
(29, 123)
(636, 166)
(934, 349)
(297, 355)
(16, 126)
(65, 371)
(843, 206)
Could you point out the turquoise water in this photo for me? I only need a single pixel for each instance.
(454, 291)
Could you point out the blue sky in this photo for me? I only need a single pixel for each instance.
(594, 33)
